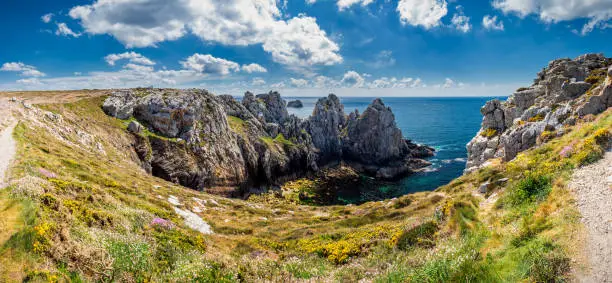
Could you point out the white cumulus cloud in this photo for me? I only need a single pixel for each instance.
(132, 57)
(138, 68)
(25, 70)
(258, 82)
(597, 12)
(30, 81)
(424, 13)
(385, 82)
(46, 18)
(448, 83)
(344, 4)
(253, 68)
(207, 64)
(492, 23)
(299, 83)
(460, 21)
(352, 79)
(64, 30)
(297, 41)
(301, 43)
(279, 85)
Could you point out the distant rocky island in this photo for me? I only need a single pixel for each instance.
(200, 140)
(564, 91)
(295, 104)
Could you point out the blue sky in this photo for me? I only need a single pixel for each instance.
(299, 47)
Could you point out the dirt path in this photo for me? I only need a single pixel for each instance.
(593, 188)
(7, 144)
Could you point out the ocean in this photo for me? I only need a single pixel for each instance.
(446, 124)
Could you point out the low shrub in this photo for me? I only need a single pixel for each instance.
(536, 118)
(596, 77)
(489, 133)
(532, 187)
(547, 136)
(402, 202)
(593, 147)
(130, 259)
(421, 235)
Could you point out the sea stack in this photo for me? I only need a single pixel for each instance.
(295, 104)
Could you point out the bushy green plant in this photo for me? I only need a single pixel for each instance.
(130, 258)
(531, 187)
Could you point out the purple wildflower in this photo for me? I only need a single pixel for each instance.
(47, 173)
(162, 223)
(566, 151)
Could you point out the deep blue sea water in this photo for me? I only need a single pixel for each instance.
(446, 124)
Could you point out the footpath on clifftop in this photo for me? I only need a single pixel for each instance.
(593, 188)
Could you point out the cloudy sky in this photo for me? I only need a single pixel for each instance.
(299, 47)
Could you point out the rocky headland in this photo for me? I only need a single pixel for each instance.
(219, 144)
(563, 92)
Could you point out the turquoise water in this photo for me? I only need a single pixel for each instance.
(446, 124)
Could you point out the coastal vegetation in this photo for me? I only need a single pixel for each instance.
(85, 211)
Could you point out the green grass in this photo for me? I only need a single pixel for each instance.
(237, 125)
(92, 220)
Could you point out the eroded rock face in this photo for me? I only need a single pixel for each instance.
(558, 97)
(268, 106)
(374, 144)
(205, 142)
(373, 137)
(325, 127)
(120, 105)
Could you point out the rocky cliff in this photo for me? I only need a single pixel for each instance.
(203, 141)
(564, 91)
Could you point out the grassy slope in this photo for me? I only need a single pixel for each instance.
(90, 216)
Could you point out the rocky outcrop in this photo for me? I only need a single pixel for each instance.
(203, 141)
(135, 127)
(371, 142)
(268, 106)
(295, 104)
(563, 92)
(325, 127)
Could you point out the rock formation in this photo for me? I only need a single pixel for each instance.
(374, 141)
(564, 91)
(295, 104)
(325, 126)
(203, 141)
